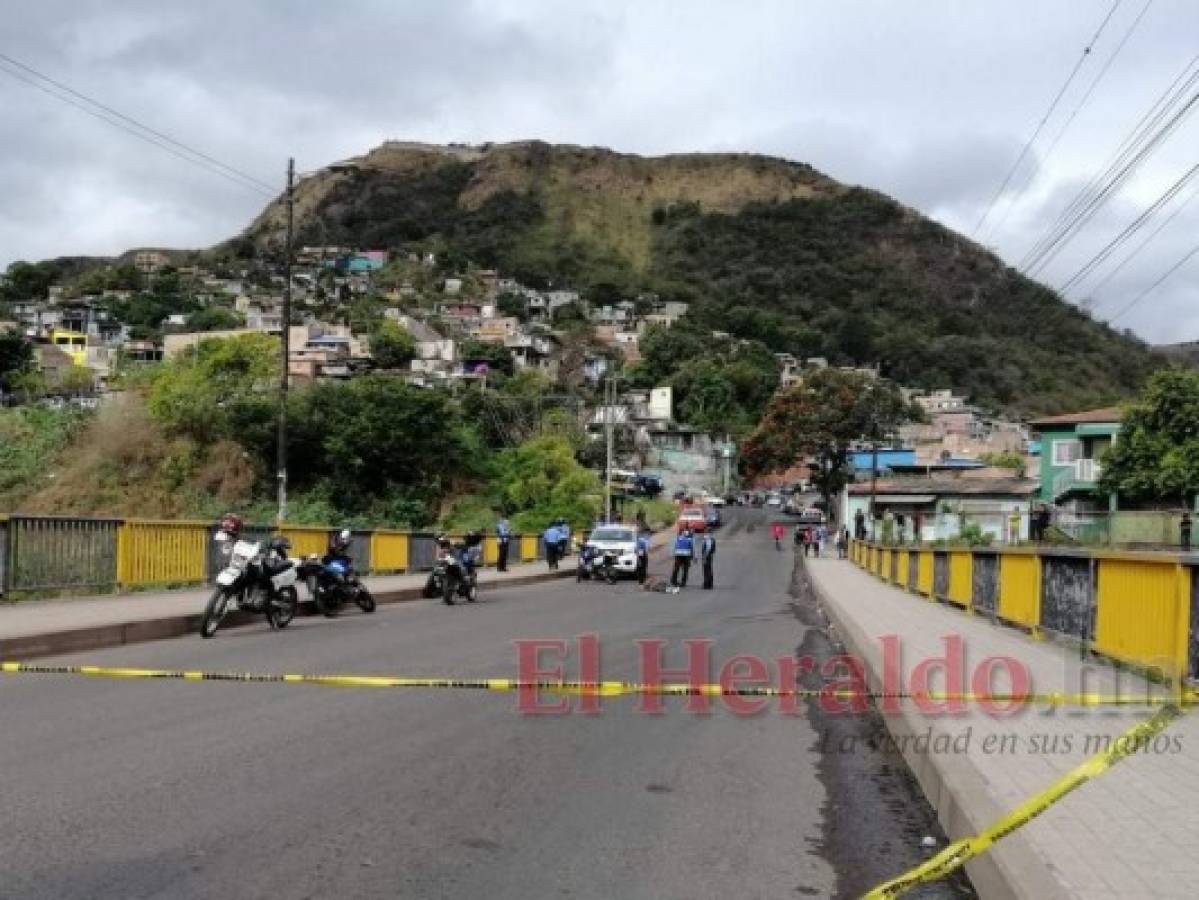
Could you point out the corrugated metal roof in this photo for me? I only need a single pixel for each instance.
(1106, 414)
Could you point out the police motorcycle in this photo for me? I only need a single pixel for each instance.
(332, 581)
(257, 577)
(596, 563)
(455, 569)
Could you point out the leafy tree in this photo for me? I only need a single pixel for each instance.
(497, 357)
(541, 480)
(516, 305)
(392, 346)
(377, 436)
(214, 318)
(16, 358)
(24, 281)
(222, 387)
(1006, 460)
(820, 418)
(1156, 456)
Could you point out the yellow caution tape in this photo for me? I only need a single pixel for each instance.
(959, 852)
(611, 688)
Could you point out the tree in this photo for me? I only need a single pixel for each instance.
(214, 318)
(511, 304)
(497, 357)
(222, 387)
(16, 358)
(25, 281)
(1156, 456)
(392, 346)
(541, 480)
(820, 418)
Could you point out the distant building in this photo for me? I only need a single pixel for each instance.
(930, 509)
(1071, 447)
(150, 261)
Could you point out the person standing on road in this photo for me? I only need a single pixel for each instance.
(821, 539)
(842, 542)
(503, 537)
(859, 525)
(778, 531)
(684, 552)
(642, 555)
(551, 537)
(707, 555)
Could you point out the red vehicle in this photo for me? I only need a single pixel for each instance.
(693, 518)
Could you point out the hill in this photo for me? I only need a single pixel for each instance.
(762, 247)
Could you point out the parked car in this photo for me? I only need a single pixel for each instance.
(692, 517)
(811, 516)
(774, 500)
(647, 485)
(619, 538)
(712, 516)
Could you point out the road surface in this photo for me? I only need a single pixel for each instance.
(138, 789)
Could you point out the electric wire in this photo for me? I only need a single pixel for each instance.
(64, 93)
(1032, 175)
(1086, 52)
(1156, 284)
(1146, 134)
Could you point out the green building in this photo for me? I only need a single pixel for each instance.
(1071, 446)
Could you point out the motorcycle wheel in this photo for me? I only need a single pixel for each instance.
(430, 590)
(472, 592)
(324, 605)
(366, 600)
(214, 611)
(447, 590)
(282, 609)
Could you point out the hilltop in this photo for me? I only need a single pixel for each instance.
(761, 247)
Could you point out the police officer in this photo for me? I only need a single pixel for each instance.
(503, 537)
(707, 554)
(684, 552)
(642, 555)
(551, 537)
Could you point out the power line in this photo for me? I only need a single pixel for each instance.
(1143, 244)
(1032, 175)
(1149, 290)
(1134, 138)
(1086, 51)
(1089, 202)
(128, 124)
(1129, 230)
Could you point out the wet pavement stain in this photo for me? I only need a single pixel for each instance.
(875, 816)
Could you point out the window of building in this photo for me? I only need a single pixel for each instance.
(1065, 452)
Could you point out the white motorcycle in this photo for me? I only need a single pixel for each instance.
(257, 577)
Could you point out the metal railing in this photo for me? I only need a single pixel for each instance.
(1137, 607)
(53, 554)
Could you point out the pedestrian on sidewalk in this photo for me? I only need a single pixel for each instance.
(684, 552)
(503, 537)
(707, 553)
(642, 554)
(842, 542)
(551, 538)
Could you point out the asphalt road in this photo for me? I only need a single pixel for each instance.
(175, 789)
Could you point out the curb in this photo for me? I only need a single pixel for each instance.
(118, 634)
(1011, 870)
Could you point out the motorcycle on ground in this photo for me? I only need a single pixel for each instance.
(333, 584)
(257, 577)
(597, 564)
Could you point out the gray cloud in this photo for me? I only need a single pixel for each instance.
(929, 102)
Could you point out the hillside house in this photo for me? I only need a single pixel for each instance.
(1071, 447)
(931, 509)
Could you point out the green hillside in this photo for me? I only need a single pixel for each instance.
(762, 247)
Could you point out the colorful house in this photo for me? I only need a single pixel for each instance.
(73, 343)
(1071, 447)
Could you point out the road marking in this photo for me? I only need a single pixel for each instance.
(959, 852)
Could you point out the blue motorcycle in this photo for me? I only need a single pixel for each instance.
(333, 584)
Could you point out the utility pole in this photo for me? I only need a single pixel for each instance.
(609, 401)
(281, 442)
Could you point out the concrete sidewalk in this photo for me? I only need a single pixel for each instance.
(42, 627)
(34, 628)
(1130, 833)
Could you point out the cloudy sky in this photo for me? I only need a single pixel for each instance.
(930, 101)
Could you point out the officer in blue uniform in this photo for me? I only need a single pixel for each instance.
(707, 555)
(642, 555)
(684, 552)
(503, 536)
